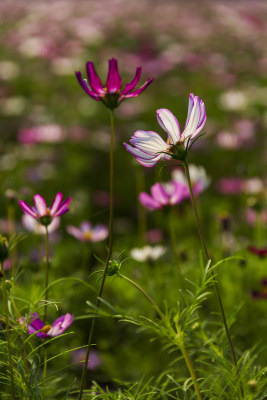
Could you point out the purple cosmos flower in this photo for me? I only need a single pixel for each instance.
(88, 233)
(166, 194)
(35, 325)
(45, 214)
(149, 147)
(78, 356)
(110, 94)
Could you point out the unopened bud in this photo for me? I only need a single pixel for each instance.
(8, 285)
(113, 267)
(252, 383)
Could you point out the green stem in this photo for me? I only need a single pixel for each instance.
(5, 301)
(46, 272)
(111, 214)
(178, 342)
(203, 242)
(141, 211)
(11, 231)
(44, 372)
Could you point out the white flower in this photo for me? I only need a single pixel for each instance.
(147, 253)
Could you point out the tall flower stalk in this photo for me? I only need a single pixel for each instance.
(110, 245)
(46, 271)
(203, 242)
(111, 95)
(148, 148)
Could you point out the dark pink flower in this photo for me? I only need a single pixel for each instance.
(166, 194)
(261, 252)
(43, 213)
(110, 94)
(35, 325)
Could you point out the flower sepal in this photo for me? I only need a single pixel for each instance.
(113, 267)
(110, 100)
(45, 220)
(179, 152)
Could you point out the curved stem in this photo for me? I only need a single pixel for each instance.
(179, 342)
(203, 242)
(160, 313)
(111, 214)
(46, 272)
(5, 301)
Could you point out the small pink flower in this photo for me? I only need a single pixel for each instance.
(45, 214)
(166, 194)
(110, 93)
(88, 233)
(35, 325)
(78, 356)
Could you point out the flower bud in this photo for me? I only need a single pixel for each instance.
(4, 248)
(8, 284)
(113, 267)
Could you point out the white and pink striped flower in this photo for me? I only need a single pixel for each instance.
(148, 147)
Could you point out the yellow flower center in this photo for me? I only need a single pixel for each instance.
(45, 329)
(87, 235)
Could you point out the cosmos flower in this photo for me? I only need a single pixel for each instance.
(149, 147)
(147, 253)
(78, 356)
(88, 233)
(166, 194)
(44, 214)
(110, 94)
(35, 325)
(32, 225)
(198, 176)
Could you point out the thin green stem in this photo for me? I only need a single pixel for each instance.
(141, 211)
(179, 342)
(46, 272)
(44, 372)
(5, 301)
(11, 231)
(111, 215)
(160, 313)
(203, 242)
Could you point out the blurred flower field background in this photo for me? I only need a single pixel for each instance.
(54, 138)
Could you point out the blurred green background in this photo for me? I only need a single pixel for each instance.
(55, 138)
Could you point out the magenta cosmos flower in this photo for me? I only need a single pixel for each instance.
(45, 214)
(110, 94)
(162, 195)
(149, 147)
(88, 233)
(35, 325)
